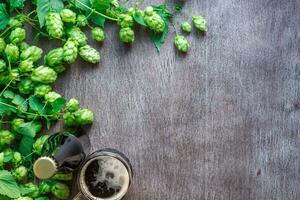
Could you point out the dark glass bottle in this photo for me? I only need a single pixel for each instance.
(68, 156)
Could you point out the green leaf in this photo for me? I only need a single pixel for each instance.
(8, 185)
(100, 5)
(166, 15)
(9, 94)
(13, 4)
(20, 102)
(58, 104)
(138, 18)
(44, 6)
(4, 197)
(4, 109)
(4, 17)
(97, 19)
(81, 4)
(25, 146)
(25, 190)
(36, 104)
(30, 129)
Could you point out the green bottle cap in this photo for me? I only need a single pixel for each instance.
(44, 168)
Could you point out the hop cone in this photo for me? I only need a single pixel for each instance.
(126, 35)
(98, 34)
(17, 35)
(89, 54)
(76, 34)
(54, 57)
(200, 23)
(25, 66)
(125, 21)
(12, 52)
(68, 16)
(186, 27)
(70, 51)
(32, 53)
(2, 65)
(54, 25)
(44, 75)
(181, 43)
(154, 21)
(81, 20)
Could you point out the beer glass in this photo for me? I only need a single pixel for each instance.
(105, 175)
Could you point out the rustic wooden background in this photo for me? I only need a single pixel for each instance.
(221, 122)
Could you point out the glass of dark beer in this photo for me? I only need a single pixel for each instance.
(105, 175)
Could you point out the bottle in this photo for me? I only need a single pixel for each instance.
(68, 156)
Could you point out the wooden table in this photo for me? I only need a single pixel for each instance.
(221, 122)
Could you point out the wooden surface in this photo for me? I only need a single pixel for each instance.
(221, 122)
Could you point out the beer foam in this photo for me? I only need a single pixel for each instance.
(112, 172)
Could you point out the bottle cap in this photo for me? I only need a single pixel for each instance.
(44, 168)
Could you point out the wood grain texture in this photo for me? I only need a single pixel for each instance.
(221, 122)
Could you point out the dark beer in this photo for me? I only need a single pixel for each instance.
(107, 174)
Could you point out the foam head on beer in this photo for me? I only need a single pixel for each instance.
(104, 177)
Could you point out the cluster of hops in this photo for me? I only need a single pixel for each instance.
(181, 43)
(76, 40)
(77, 116)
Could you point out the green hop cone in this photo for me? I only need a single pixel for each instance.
(25, 66)
(23, 46)
(60, 191)
(70, 51)
(54, 57)
(186, 27)
(12, 52)
(2, 45)
(52, 96)
(84, 116)
(43, 74)
(15, 124)
(125, 21)
(33, 190)
(81, 20)
(54, 25)
(20, 173)
(126, 35)
(98, 34)
(200, 23)
(39, 144)
(2, 65)
(89, 54)
(42, 90)
(25, 86)
(6, 137)
(72, 105)
(77, 35)
(17, 21)
(181, 43)
(68, 16)
(32, 53)
(17, 35)
(69, 119)
(154, 21)
(17, 158)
